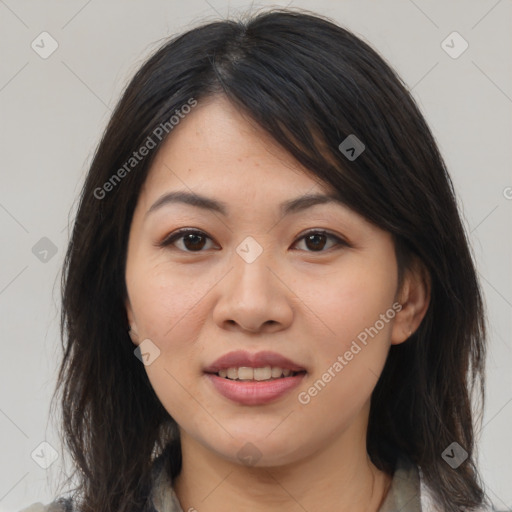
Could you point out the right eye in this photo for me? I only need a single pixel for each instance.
(192, 239)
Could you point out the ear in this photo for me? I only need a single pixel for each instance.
(133, 333)
(414, 296)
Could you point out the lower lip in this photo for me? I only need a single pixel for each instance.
(254, 392)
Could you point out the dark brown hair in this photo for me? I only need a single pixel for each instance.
(309, 84)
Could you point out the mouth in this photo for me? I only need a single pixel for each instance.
(251, 392)
(254, 378)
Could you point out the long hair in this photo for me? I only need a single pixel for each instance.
(309, 84)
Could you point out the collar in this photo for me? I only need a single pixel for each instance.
(404, 493)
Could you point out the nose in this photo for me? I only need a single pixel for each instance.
(253, 297)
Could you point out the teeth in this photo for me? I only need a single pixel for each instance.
(262, 373)
(276, 372)
(232, 373)
(258, 374)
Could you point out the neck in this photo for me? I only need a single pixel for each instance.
(344, 479)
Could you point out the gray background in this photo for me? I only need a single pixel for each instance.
(53, 111)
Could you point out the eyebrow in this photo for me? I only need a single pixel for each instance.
(206, 203)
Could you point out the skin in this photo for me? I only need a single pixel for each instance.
(305, 301)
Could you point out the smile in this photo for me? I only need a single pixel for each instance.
(251, 391)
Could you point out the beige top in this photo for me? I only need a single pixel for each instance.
(408, 493)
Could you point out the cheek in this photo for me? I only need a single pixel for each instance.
(165, 298)
(349, 301)
(168, 306)
(355, 309)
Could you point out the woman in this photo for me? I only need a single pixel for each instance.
(269, 300)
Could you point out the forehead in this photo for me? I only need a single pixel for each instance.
(216, 149)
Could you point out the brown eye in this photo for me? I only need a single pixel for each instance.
(191, 240)
(315, 241)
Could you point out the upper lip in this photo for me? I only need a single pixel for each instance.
(240, 358)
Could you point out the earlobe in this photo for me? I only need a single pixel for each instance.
(134, 336)
(132, 329)
(415, 299)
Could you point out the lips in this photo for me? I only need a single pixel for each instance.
(251, 393)
(241, 358)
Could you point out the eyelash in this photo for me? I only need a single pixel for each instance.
(173, 237)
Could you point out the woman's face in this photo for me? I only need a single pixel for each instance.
(251, 281)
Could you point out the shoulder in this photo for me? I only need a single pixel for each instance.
(59, 505)
(161, 498)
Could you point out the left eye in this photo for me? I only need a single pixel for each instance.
(316, 238)
(194, 240)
